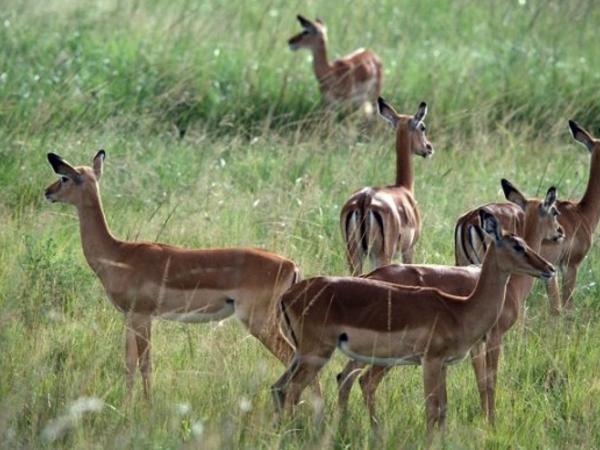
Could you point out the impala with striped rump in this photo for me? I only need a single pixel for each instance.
(378, 222)
(355, 78)
(380, 323)
(541, 222)
(579, 220)
(145, 280)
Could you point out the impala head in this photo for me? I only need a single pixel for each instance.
(76, 184)
(312, 33)
(413, 126)
(584, 137)
(542, 214)
(513, 255)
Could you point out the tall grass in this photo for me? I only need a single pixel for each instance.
(259, 166)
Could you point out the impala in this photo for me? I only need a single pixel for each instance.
(146, 280)
(578, 218)
(356, 78)
(541, 222)
(378, 222)
(380, 323)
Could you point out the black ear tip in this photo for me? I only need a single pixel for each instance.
(507, 186)
(53, 158)
(343, 337)
(423, 105)
(573, 126)
(101, 153)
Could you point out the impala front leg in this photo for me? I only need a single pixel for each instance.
(493, 349)
(479, 367)
(131, 353)
(432, 381)
(553, 295)
(569, 280)
(143, 330)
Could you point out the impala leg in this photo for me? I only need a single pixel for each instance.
(289, 387)
(369, 382)
(553, 295)
(130, 355)
(432, 380)
(479, 367)
(493, 349)
(345, 380)
(443, 398)
(143, 334)
(353, 255)
(569, 280)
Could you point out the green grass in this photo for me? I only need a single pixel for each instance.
(258, 167)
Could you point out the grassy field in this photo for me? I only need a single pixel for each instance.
(214, 137)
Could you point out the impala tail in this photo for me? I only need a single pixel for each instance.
(362, 226)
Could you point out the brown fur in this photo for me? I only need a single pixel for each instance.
(383, 320)
(579, 219)
(394, 208)
(146, 280)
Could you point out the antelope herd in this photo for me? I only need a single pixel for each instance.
(428, 315)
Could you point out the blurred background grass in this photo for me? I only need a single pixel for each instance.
(215, 137)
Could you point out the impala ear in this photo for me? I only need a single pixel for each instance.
(421, 112)
(98, 163)
(580, 135)
(512, 194)
(490, 225)
(550, 199)
(387, 112)
(306, 24)
(62, 167)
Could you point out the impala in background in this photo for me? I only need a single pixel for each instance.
(356, 78)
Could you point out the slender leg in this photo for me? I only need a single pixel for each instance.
(432, 374)
(553, 295)
(130, 355)
(493, 349)
(369, 382)
(345, 380)
(569, 280)
(443, 399)
(143, 334)
(479, 366)
(289, 387)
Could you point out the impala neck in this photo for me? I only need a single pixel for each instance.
(99, 245)
(590, 202)
(320, 62)
(520, 285)
(404, 169)
(485, 303)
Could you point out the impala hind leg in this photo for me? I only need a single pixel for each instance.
(369, 382)
(345, 380)
(407, 255)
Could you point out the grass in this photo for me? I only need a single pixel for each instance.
(257, 166)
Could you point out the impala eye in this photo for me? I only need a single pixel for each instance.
(519, 248)
(423, 128)
(64, 179)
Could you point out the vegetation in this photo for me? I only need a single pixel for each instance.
(215, 137)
